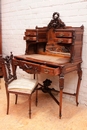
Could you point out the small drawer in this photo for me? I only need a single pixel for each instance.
(63, 40)
(30, 33)
(63, 34)
(42, 40)
(29, 67)
(50, 70)
(30, 38)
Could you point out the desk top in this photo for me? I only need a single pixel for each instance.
(43, 59)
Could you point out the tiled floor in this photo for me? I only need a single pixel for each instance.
(44, 116)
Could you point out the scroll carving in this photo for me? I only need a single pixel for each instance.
(54, 44)
(56, 22)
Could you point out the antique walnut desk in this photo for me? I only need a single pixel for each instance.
(55, 50)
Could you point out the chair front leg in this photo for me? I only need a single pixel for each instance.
(8, 103)
(30, 106)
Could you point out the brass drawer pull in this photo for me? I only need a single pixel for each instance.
(61, 35)
(27, 67)
(46, 71)
(60, 41)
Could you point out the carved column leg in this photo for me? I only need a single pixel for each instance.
(61, 86)
(78, 84)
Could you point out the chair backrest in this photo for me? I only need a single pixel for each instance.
(9, 70)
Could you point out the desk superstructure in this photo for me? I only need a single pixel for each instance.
(55, 50)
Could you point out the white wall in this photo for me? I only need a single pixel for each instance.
(18, 15)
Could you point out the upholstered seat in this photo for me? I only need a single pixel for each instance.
(14, 85)
(23, 85)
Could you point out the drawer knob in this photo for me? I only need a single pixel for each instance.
(46, 71)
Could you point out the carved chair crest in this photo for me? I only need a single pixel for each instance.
(9, 68)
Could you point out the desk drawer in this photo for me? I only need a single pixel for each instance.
(63, 40)
(30, 33)
(50, 70)
(30, 38)
(63, 34)
(29, 67)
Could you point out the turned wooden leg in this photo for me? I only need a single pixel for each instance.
(16, 98)
(78, 84)
(30, 106)
(7, 103)
(36, 97)
(61, 86)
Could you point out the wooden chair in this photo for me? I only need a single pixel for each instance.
(17, 86)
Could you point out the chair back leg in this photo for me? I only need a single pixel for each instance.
(16, 98)
(36, 97)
